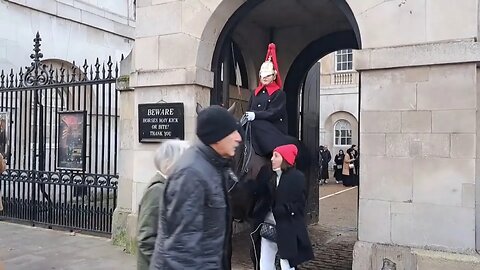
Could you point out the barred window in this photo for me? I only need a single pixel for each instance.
(343, 133)
(344, 60)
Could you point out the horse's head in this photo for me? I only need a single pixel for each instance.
(231, 110)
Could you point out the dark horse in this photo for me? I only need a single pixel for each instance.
(242, 188)
(246, 166)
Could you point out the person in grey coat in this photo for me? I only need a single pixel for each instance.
(194, 222)
(165, 158)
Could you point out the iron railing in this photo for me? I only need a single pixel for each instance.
(60, 173)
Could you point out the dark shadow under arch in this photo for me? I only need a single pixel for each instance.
(224, 39)
(217, 93)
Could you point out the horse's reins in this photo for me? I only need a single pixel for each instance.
(247, 149)
(247, 152)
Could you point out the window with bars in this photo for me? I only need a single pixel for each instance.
(344, 60)
(343, 133)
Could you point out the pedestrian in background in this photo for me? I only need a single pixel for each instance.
(356, 164)
(348, 170)
(194, 224)
(338, 166)
(3, 167)
(164, 159)
(324, 157)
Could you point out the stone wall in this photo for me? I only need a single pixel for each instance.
(414, 22)
(378, 256)
(418, 123)
(162, 68)
(67, 28)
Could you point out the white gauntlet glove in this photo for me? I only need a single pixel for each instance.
(250, 116)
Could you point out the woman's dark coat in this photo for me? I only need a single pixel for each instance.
(338, 166)
(324, 157)
(288, 202)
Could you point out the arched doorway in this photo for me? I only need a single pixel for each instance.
(304, 32)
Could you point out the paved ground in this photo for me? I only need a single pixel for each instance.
(333, 238)
(27, 248)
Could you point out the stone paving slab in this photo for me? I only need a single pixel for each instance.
(29, 248)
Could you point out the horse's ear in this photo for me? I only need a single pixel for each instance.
(231, 110)
(199, 108)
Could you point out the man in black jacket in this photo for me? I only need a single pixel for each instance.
(194, 220)
(324, 157)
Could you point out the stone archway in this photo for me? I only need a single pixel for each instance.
(250, 26)
(306, 31)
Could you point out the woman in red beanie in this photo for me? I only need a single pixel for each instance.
(282, 227)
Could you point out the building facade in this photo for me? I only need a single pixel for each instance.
(339, 106)
(72, 33)
(71, 30)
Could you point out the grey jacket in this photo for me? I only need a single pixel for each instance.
(148, 212)
(193, 225)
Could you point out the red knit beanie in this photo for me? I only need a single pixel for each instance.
(288, 152)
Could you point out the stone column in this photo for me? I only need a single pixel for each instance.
(163, 70)
(418, 161)
(124, 196)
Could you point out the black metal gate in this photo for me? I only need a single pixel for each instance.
(58, 132)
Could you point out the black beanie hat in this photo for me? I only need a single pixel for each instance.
(215, 123)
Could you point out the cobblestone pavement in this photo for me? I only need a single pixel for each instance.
(332, 239)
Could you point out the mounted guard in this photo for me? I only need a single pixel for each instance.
(267, 108)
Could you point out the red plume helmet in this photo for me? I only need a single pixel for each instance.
(271, 59)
